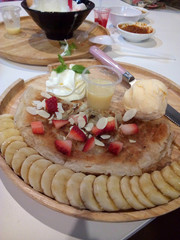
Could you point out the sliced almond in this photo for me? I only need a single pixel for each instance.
(118, 118)
(32, 110)
(43, 113)
(99, 143)
(105, 136)
(58, 115)
(71, 120)
(101, 123)
(45, 94)
(60, 108)
(110, 119)
(129, 114)
(81, 122)
(89, 126)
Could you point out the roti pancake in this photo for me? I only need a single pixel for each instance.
(143, 152)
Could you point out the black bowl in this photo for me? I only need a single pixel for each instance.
(59, 25)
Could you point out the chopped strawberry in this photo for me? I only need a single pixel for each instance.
(96, 131)
(37, 127)
(129, 129)
(115, 147)
(110, 127)
(59, 123)
(77, 134)
(51, 105)
(64, 146)
(90, 143)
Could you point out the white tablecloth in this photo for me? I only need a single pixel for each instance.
(23, 218)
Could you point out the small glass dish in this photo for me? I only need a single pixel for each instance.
(101, 83)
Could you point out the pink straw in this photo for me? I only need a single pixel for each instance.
(70, 4)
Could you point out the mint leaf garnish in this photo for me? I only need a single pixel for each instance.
(79, 69)
(60, 68)
(72, 46)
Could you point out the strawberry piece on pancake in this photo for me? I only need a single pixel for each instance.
(115, 147)
(77, 134)
(37, 127)
(90, 143)
(51, 105)
(59, 123)
(129, 129)
(64, 146)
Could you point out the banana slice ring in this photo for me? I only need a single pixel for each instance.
(136, 189)
(19, 158)
(170, 177)
(152, 193)
(86, 193)
(101, 194)
(35, 173)
(128, 194)
(26, 166)
(73, 190)
(114, 190)
(47, 178)
(59, 185)
(8, 141)
(163, 186)
(11, 149)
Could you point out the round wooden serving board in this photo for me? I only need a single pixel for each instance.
(31, 46)
(8, 104)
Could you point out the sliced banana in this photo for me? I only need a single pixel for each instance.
(35, 173)
(73, 190)
(101, 194)
(8, 133)
(19, 158)
(26, 166)
(8, 141)
(136, 189)
(176, 168)
(47, 178)
(59, 185)
(11, 150)
(5, 124)
(128, 194)
(87, 195)
(163, 186)
(152, 193)
(170, 177)
(6, 116)
(114, 190)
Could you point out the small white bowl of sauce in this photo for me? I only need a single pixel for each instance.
(135, 31)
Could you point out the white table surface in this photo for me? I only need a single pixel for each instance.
(23, 218)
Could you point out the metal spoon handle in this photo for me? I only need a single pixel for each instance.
(106, 60)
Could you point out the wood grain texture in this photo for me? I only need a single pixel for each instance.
(32, 47)
(8, 103)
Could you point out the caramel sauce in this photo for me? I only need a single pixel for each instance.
(135, 29)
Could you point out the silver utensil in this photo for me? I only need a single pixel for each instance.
(84, 35)
(170, 113)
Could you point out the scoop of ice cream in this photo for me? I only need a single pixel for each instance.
(54, 5)
(148, 97)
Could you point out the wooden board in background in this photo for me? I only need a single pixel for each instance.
(8, 104)
(32, 47)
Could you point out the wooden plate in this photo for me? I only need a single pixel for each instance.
(8, 103)
(32, 47)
